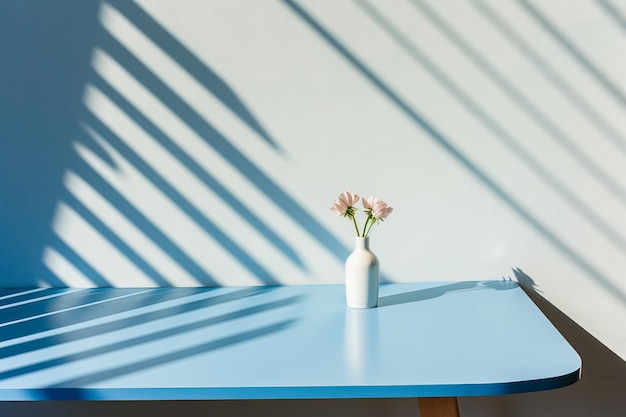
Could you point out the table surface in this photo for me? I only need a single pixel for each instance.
(424, 340)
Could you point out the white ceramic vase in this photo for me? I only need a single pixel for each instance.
(362, 276)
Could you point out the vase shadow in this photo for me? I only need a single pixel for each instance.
(425, 294)
(438, 291)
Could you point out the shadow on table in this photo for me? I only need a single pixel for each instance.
(600, 391)
(440, 290)
(35, 321)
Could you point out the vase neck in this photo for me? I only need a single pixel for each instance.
(362, 242)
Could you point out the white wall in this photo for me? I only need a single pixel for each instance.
(202, 143)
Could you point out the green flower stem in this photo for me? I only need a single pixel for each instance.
(355, 226)
(370, 221)
(366, 230)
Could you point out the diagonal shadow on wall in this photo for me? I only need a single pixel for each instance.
(170, 145)
(569, 91)
(613, 12)
(603, 79)
(503, 134)
(457, 155)
(44, 65)
(201, 72)
(523, 102)
(77, 132)
(218, 142)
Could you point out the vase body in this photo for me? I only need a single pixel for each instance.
(362, 276)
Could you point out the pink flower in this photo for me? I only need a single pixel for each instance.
(378, 208)
(344, 205)
(375, 209)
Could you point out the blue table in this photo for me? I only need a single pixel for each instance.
(437, 341)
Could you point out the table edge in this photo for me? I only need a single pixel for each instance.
(285, 393)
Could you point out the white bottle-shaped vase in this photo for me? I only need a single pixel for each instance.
(362, 276)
